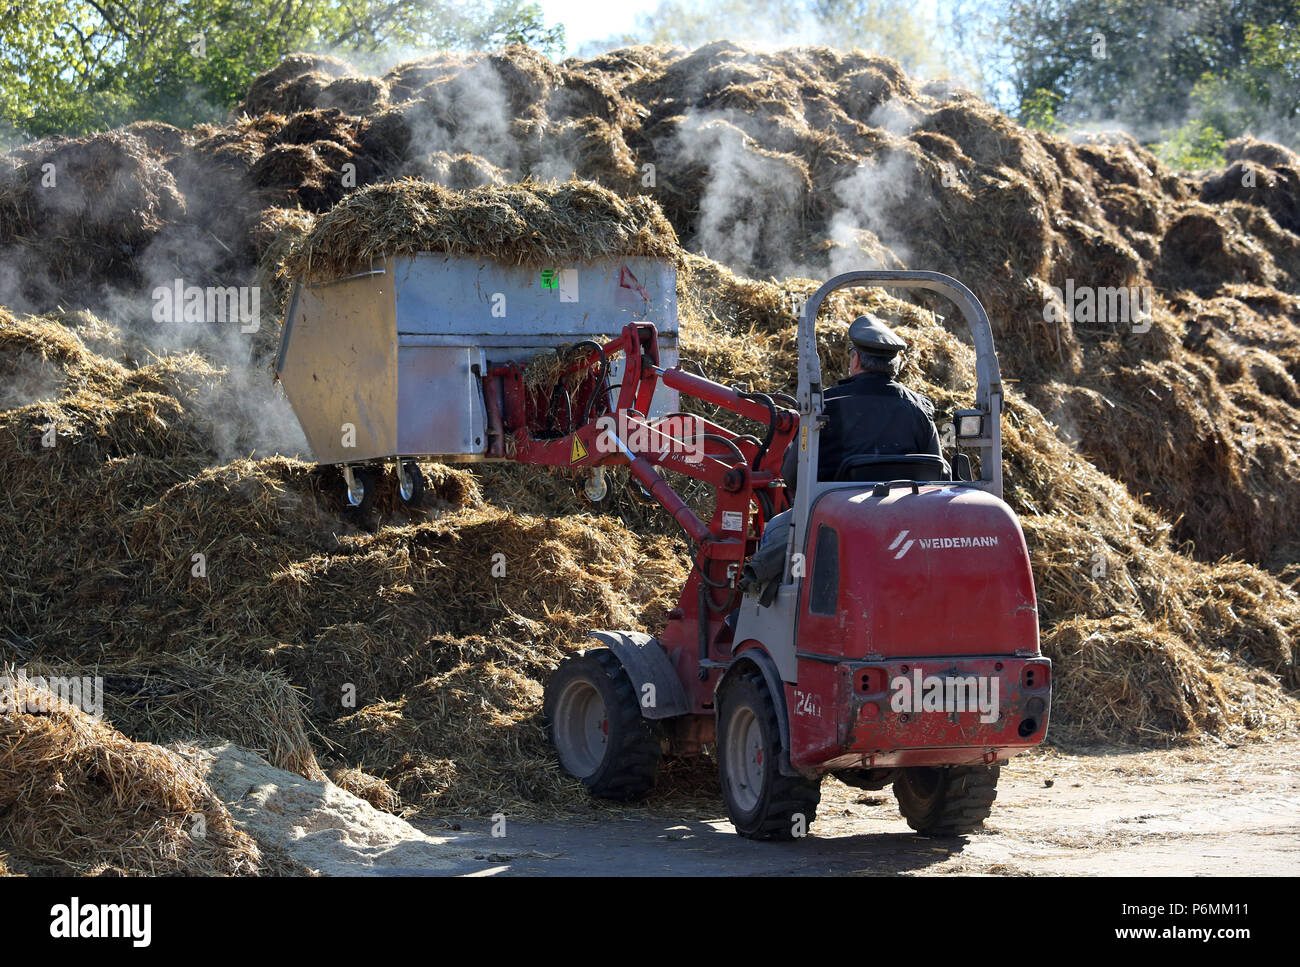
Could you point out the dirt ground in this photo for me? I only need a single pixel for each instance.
(1207, 810)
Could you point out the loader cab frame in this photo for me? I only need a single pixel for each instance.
(986, 417)
(777, 625)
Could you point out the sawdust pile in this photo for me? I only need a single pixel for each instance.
(76, 792)
(232, 600)
(317, 823)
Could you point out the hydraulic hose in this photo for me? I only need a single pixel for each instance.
(771, 424)
(600, 381)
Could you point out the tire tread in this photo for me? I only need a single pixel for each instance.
(631, 773)
(789, 795)
(963, 801)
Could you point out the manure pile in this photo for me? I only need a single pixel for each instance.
(1153, 461)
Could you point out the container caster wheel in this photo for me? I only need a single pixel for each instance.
(411, 484)
(360, 488)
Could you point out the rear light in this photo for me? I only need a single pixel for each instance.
(869, 681)
(1035, 676)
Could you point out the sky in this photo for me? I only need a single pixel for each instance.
(587, 20)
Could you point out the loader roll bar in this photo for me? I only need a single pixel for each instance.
(988, 388)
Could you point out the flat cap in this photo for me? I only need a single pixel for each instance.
(870, 335)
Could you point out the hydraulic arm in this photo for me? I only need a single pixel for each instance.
(583, 421)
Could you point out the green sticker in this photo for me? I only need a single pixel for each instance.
(550, 278)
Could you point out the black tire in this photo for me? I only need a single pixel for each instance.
(946, 801)
(762, 802)
(367, 480)
(621, 761)
(418, 484)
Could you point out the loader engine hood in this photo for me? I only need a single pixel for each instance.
(942, 570)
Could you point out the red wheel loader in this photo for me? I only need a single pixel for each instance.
(900, 646)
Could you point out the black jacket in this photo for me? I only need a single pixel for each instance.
(868, 413)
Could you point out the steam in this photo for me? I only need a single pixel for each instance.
(870, 198)
(752, 202)
(244, 410)
(468, 113)
(29, 381)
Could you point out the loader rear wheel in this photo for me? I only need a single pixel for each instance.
(946, 801)
(594, 721)
(762, 802)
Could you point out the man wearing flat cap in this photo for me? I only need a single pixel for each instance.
(870, 412)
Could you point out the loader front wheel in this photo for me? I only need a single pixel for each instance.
(594, 721)
(947, 801)
(762, 801)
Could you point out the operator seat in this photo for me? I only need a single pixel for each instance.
(868, 467)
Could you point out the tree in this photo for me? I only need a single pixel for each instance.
(691, 23)
(1261, 94)
(1136, 63)
(77, 65)
(906, 31)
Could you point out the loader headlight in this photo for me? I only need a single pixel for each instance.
(970, 424)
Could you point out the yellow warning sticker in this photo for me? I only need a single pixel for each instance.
(579, 451)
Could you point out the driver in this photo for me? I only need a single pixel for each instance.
(867, 413)
(870, 412)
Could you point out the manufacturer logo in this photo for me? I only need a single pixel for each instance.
(938, 543)
(899, 540)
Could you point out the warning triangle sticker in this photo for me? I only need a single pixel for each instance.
(579, 451)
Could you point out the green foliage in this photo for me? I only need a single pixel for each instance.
(79, 65)
(1260, 95)
(1196, 146)
(1038, 111)
(1146, 65)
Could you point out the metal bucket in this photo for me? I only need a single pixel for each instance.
(387, 363)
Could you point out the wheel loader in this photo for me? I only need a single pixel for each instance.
(898, 647)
